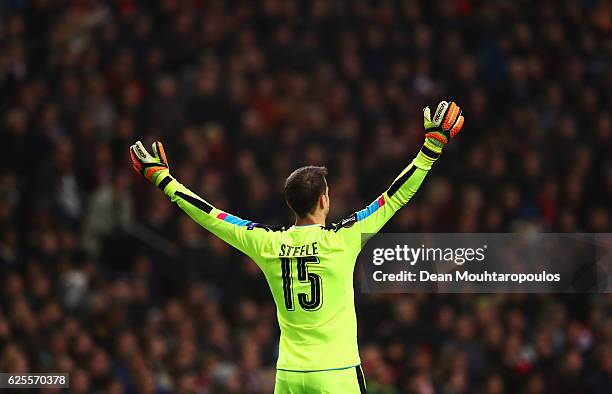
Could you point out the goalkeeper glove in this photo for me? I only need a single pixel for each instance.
(153, 167)
(446, 123)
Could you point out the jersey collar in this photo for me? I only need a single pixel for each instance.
(307, 225)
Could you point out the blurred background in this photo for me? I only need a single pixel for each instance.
(103, 277)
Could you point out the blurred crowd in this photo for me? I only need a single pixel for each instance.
(103, 277)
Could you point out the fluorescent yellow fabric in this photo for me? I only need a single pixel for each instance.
(343, 381)
(309, 269)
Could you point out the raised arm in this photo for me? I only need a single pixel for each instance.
(242, 234)
(446, 123)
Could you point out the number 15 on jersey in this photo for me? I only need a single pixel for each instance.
(308, 302)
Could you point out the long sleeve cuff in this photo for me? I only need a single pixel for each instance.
(163, 182)
(426, 157)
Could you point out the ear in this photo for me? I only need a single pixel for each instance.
(322, 198)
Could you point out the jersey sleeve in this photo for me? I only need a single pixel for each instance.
(244, 235)
(373, 217)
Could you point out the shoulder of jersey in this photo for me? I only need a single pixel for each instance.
(266, 227)
(344, 223)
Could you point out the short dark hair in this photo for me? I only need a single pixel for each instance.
(304, 187)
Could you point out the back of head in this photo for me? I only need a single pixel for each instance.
(304, 187)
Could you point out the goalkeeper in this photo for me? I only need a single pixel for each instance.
(309, 266)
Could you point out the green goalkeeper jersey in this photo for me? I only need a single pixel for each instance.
(309, 268)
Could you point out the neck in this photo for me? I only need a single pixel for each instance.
(311, 218)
